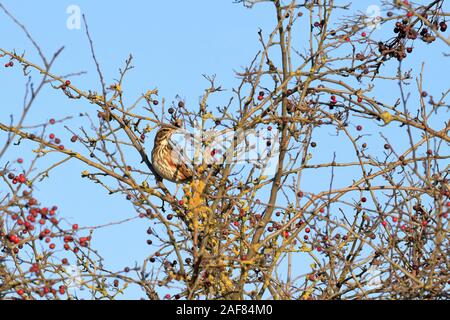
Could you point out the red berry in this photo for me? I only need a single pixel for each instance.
(20, 160)
(359, 128)
(364, 34)
(67, 82)
(75, 227)
(52, 121)
(52, 136)
(62, 290)
(22, 178)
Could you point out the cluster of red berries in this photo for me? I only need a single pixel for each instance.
(44, 291)
(261, 95)
(405, 30)
(84, 241)
(17, 179)
(56, 140)
(9, 64)
(13, 238)
(319, 24)
(33, 217)
(65, 85)
(26, 223)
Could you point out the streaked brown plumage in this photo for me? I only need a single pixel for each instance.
(166, 160)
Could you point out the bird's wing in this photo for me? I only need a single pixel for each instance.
(183, 147)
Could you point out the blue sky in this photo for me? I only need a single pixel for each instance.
(173, 44)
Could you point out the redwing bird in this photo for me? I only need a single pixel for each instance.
(168, 158)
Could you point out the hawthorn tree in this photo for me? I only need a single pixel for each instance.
(259, 220)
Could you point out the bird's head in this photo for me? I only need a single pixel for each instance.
(163, 135)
